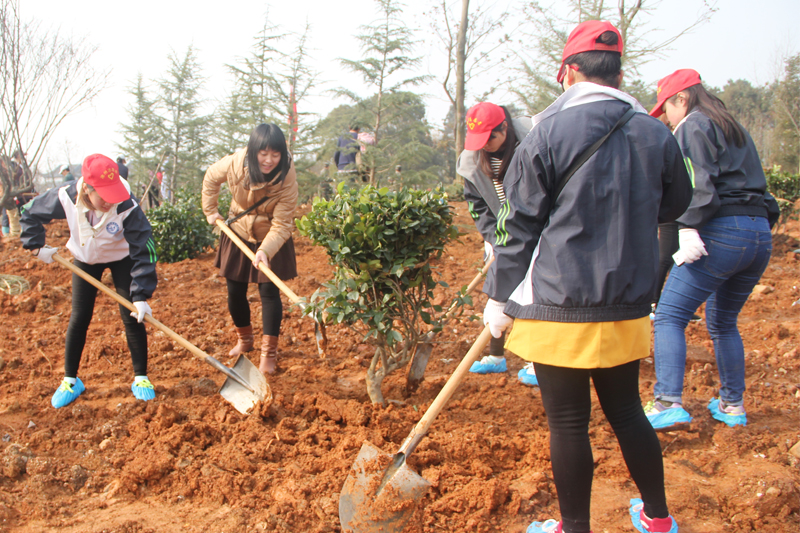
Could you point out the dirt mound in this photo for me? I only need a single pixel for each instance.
(189, 462)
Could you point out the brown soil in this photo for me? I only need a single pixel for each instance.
(189, 462)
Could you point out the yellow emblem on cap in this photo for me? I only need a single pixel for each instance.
(658, 90)
(107, 173)
(472, 122)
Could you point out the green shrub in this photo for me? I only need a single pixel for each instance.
(455, 191)
(180, 230)
(785, 187)
(381, 243)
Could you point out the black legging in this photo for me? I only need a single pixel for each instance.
(667, 245)
(83, 297)
(568, 403)
(497, 346)
(271, 306)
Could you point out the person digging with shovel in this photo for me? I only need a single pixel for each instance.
(576, 265)
(491, 140)
(263, 186)
(108, 230)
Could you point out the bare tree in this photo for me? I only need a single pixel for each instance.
(470, 46)
(46, 78)
(549, 26)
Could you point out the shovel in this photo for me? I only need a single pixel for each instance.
(422, 352)
(319, 329)
(244, 386)
(381, 491)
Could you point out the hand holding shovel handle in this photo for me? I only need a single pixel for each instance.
(319, 329)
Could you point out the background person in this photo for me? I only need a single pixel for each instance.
(123, 168)
(725, 246)
(344, 158)
(491, 140)
(67, 174)
(262, 171)
(577, 270)
(108, 230)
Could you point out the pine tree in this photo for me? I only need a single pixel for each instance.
(186, 131)
(142, 138)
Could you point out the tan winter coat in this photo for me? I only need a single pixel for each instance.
(272, 222)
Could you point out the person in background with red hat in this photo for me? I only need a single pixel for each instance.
(108, 230)
(576, 264)
(492, 138)
(725, 245)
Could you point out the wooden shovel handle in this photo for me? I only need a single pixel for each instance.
(471, 287)
(249, 253)
(444, 395)
(197, 352)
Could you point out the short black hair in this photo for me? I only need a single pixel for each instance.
(599, 65)
(267, 137)
(355, 127)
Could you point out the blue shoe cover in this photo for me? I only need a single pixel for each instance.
(669, 418)
(729, 419)
(527, 379)
(548, 526)
(636, 519)
(66, 393)
(488, 368)
(143, 390)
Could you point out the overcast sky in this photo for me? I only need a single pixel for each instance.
(744, 39)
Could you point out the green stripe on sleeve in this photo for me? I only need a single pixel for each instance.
(472, 213)
(151, 247)
(690, 169)
(501, 234)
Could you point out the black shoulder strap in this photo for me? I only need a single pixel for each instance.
(249, 209)
(578, 163)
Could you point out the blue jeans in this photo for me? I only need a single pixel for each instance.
(738, 249)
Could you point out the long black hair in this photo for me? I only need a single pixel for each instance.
(507, 148)
(267, 137)
(698, 97)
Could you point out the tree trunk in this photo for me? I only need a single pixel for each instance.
(375, 378)
(461, 59)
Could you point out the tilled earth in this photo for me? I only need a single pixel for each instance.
(189, 462)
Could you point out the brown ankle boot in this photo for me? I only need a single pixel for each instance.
(246, 341)
(269, 354)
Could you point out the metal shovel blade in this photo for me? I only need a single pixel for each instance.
(380, 492)
(242, 397)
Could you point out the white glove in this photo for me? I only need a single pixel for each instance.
(691, 247)
(46, 253)
(488, 251)
(495, 318)
(260, 257)
(141, 309)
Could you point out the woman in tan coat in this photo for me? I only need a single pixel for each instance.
(263, 187)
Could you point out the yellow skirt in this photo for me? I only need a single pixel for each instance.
(581, 344)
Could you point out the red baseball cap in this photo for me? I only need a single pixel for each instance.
(102, 173)
(671, 85)
(584, 39)
(481, 120)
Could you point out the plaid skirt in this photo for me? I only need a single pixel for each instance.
(236, 266)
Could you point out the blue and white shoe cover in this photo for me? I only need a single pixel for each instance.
(67, 393)
(487, 366)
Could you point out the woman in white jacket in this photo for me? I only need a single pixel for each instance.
(108, 229)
